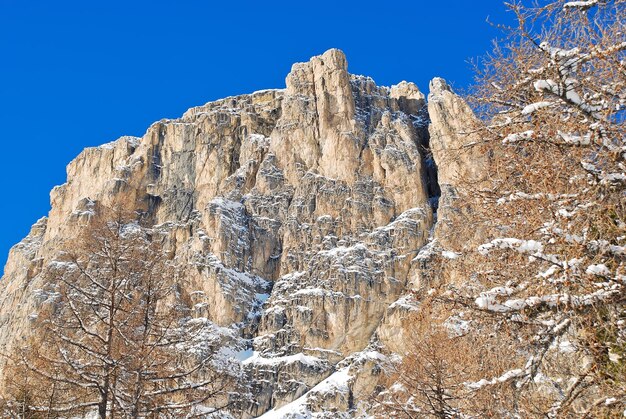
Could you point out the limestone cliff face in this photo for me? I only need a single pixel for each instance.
(297, 215)
(453, 130)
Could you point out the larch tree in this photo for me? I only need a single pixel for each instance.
(116, 341)
(553, 96)
(549, 279)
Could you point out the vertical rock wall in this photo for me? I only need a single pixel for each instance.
(296, 216)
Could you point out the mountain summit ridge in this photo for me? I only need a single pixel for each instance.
(303, 212)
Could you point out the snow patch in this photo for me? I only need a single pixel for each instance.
(298, 409)
(308, 360)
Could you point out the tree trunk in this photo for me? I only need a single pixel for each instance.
(102, 406)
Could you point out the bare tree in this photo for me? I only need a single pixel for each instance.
(117, 340)
(428, 382)
(549, 279)
(444, 358)
(553, 99)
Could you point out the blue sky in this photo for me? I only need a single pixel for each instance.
(82, 73)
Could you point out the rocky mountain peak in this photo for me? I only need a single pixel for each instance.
(297, 213)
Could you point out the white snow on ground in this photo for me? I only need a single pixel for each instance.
(406, 302)
(450, 255)
(426, 252)
(300, 357)
(208, 412)
(226, 204)
(132, 141)
(336, 382)
(244, 354)
(368, 355)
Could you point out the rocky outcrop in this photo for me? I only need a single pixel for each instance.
(462, 167)
(296, 215)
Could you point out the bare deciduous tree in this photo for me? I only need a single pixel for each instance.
(552, 98)
(116, 340)
(444, 360)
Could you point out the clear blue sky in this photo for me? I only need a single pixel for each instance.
(82, 73)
